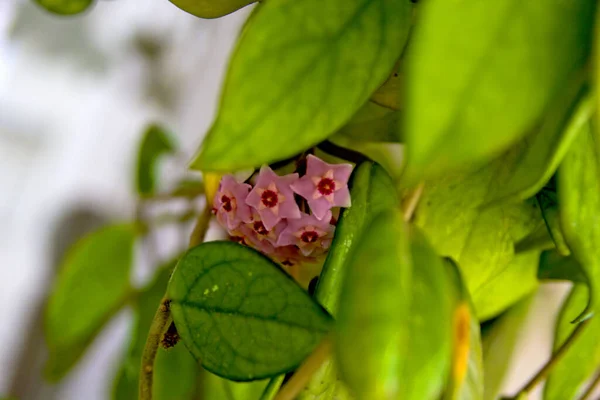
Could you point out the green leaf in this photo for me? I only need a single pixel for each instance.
(326, 384)
(480, 239)
(240, 315)
(372, 191)
(371, 123)
(211, 8)
(503, 63)
(217, 388)
(65, 7)
(541, 152)
(583, 356)
(92, 285)
(554, 266)
(547, 199)
(390, 344)
(295, 77)
(155, 143)
(175, 370)
(388, 94)
(499, 340)
(579, 199)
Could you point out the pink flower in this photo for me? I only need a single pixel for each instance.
(273, 198)
(246, 236)
(287, 255)
(324, 186)
(256, 228)
(230, 202)
(311, 235)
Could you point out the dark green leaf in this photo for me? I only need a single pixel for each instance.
(579, 199)
(372, 123)
(481, 239)
(240, 315)
(92, 285)
(65, 7)
(155, 143)
(547, 199)
(390, 344)
(211, 8)
(217, 388)
(272, 388)
(583, 356)
(372, 191)
(300, 71)
(480, 74)
(175, 370)
(498, 346)
(553, 266)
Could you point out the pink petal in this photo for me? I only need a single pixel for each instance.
(315, 166)
(268, 218)
(341, 198)
(320, 207)
(342, 172)
(304, 187)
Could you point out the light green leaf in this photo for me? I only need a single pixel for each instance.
(240, 315)
(542, 151)
(272, 388)
(211, 8)
(481, 240)
(372, 191)
(554, 266)
(92, 285)
(155, 143)
(300, 71)
(579, 200)
(480, 74)
(326, 384)
(388, 94)
(499, 341)
(65, 7)
(217, 388)
(371, 123)
(390, 344)
(583, 356)
(175, 370)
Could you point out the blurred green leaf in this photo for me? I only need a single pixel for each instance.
(326, 384)
(547, 199)
(388, 94)
(92, 285)
(480, 239)
(542, 151)
(240, 315)
(503, 63)
(211, 8)
(538, 239)
(65, 7)
(390, 344)
(155, 143)
(217, 388)
(554, 266)
(583, 356)
(175, 370)
(499, 341)
(295, 77)
(371, 123)
(579, 198)
(372, 191)
(272, 388)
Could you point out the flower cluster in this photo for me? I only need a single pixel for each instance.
(269, 217)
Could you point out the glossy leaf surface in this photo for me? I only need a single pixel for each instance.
(92, 285)
(299, 72)
(240, 315)
(490, 91)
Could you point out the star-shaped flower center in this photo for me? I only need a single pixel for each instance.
(259, 228)
(326, 186)
(227, 203)
(309, 236)
(269, 198)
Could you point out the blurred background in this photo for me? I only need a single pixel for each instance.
(75, 96)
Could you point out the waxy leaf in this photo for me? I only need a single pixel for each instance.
(579, 199)
(395, 315)
(92, 285)
(583, 356)
(211, 8)
(372, 191)
(554, 266)
(499, 340)
(65, 7)
(547, 199)
(155, 143)
(240, 315)
(175, 370)
(372, 123)
(300, 71)
(473, 83)
(217, 388)
(480, 239)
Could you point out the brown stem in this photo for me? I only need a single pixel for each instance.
(301, 377)
(556, 357)
(593, 385)
(342, 152)
(160, 324)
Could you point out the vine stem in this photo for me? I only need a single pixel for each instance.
(160, 324)
(201, 227)
(593, 385)
(409, 205)
(556, 357)
(303, 374)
